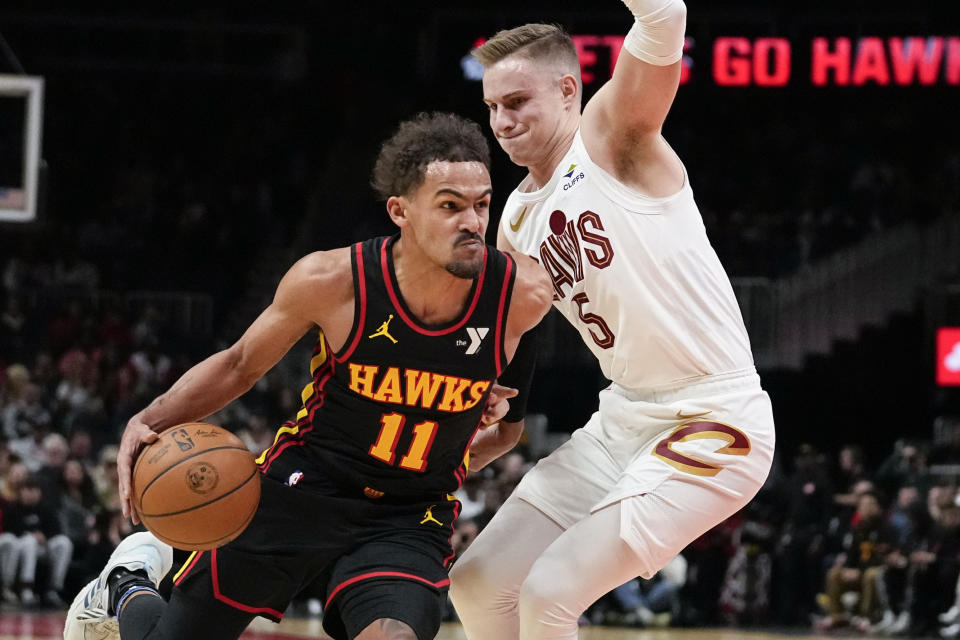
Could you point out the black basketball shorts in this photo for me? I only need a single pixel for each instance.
(373, 560)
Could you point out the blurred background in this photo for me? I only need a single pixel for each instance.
(190, 154)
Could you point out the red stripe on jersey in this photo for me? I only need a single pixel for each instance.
(501, 309)
(277, 615)
(453, 531)
(362, 282)
(382, 574)
(306, 424)
(399, 307)
(324, 371)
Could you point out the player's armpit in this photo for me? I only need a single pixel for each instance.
(629, 111)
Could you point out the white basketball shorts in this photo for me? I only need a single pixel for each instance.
(699, 451)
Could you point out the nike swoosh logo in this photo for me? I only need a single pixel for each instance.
(515, 226)
(687, 416)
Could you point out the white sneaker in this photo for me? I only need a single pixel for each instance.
(885, 622)
(950, 616)
(28, 598)
(901, 624)
(950, 632)
(87, 618)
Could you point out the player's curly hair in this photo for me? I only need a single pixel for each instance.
(417, 142)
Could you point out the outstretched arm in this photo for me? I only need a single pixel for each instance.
(209, 385)
(623, 120)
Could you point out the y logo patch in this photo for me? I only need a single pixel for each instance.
(477, 334)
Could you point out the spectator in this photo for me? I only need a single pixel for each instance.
(25, 415)
(910, 523)
(850, 472)
(38, 536)
(906, 465)
(800, 553)
(54, 450)
(81, 447)
(16, 474)
(106, 480)
(857, 568)
(935, 569)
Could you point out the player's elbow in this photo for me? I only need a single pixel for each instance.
(676, 10)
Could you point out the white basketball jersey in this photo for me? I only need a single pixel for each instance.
(635, 275)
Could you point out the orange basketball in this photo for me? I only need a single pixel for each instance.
(196, 487)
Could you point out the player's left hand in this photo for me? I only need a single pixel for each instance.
(497, 405)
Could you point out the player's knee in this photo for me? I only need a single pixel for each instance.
(542, 596)
(477, 582)
(388, 629)
(466, 580)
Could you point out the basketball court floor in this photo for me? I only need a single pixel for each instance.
(49, 626)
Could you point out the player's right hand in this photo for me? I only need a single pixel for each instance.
(136, 434)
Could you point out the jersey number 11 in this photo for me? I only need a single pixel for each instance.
(385, 448)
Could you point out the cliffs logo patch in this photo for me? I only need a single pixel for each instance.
(202, 477)
(576, 178)
(372, 493)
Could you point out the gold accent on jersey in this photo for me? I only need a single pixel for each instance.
(384, 330)
(428, 516)
(372, 493)
(515, 226)
(186, 564)
(316, 362)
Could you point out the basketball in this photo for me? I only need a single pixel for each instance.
(196, 487)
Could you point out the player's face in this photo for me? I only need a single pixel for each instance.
(526, 107)
(449, 214)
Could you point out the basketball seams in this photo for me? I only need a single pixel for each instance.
(162, 473)
(255, 473)
(207, 545)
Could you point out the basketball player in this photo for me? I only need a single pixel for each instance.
(413, 331)
(684, 436)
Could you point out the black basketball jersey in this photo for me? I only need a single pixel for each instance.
(393, 412)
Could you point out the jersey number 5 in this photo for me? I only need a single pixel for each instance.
(385, 448)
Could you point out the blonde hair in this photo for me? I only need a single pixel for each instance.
(535, 41)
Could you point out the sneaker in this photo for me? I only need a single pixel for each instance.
(9, 595)
(645, 615)
(950, 616)
(889, 617)
(87, 618)
(901, 624)
(28, 598)
(950, 632)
